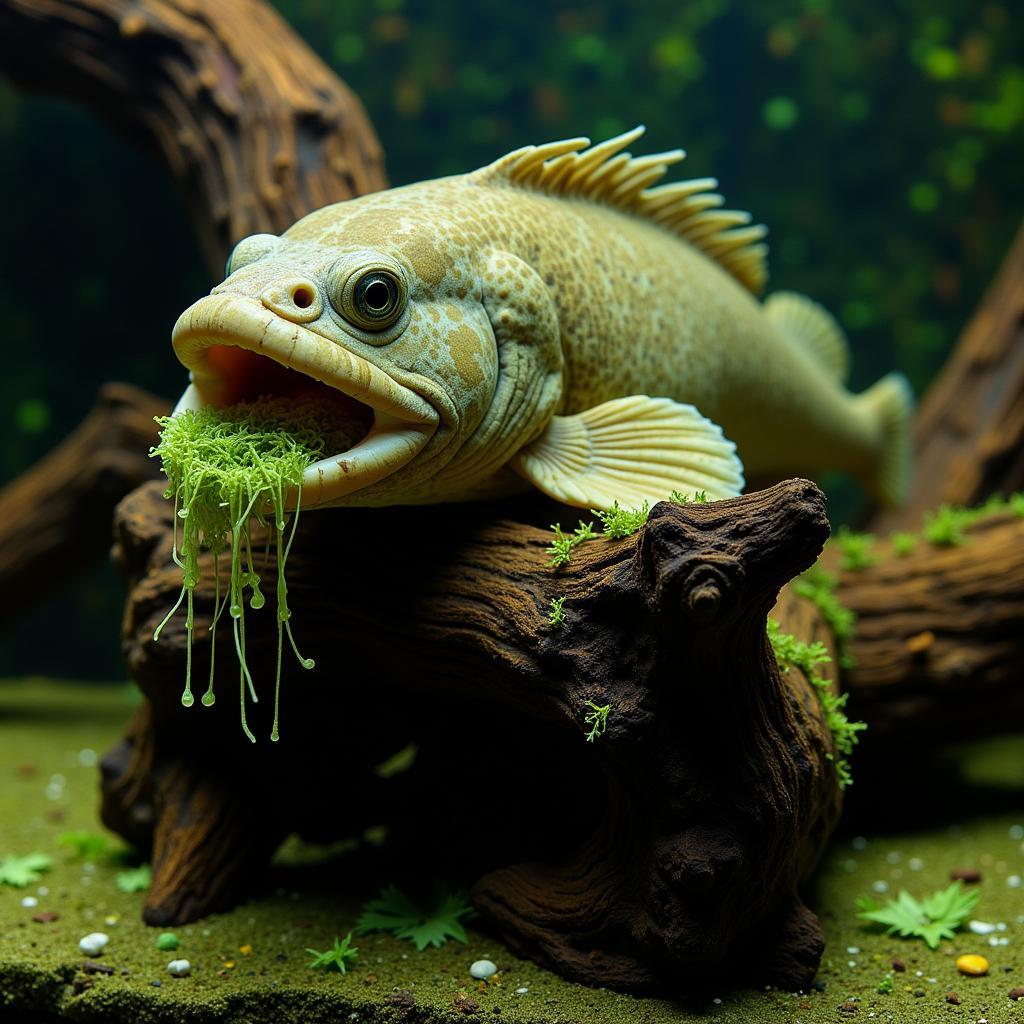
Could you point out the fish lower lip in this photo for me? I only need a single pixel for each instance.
(390, 444)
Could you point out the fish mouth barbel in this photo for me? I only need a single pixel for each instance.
(557, 319)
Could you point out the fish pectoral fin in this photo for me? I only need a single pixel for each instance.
(631, 450)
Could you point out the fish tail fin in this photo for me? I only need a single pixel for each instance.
(890, 402)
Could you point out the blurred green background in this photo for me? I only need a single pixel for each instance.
(882, 143)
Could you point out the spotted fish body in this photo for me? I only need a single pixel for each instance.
(560, 321)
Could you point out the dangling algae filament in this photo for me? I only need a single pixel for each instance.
(228, 468)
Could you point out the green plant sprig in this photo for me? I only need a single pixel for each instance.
(792, 653)
(556, 616)
(561, 548)
(597, 719)
(337, 957)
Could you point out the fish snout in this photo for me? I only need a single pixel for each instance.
(296, 298)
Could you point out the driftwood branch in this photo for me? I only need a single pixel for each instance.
(55, 519)
(256, 130)
(672, 845)
(969, 437)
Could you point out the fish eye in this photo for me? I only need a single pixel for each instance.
(249, 250)
(373, 298)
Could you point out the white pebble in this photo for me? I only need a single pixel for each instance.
(915, 864)
(1015, 881)
(43, 891)
(880, 886)
(981, 927)
(93, 944)
(179, 968)
(29, 901)
(893, 856)
(522, 991)
(87, 757)
(482, 970)
(853, 950)
(1017, 831)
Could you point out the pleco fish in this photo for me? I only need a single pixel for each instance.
(556, 319)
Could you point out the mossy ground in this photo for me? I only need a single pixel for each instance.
(48, 785)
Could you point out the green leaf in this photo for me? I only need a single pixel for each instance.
(22, 871)
(135, 879)
(84, 844)
(336, 957)
(935, 918)
(432, 925)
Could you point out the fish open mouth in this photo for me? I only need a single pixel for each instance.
(239, 351)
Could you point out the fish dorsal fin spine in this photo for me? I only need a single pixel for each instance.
(811, 325)
(606, 174)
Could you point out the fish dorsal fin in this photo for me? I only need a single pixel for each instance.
(606, 174)
(803, 320)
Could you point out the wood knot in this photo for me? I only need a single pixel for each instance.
(705, 600)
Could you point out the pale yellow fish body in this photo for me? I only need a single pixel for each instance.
(552, 283)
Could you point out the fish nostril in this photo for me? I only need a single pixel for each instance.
(302, 297)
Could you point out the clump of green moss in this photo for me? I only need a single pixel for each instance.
(789, 653)
(561, 548)
(228, 470)
(818, 586)
(855, 549)
(902, 543)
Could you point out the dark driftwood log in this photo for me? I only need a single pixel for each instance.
(55, 519)
(671, 846)
(939, 644)
(969, 437)
(253, 126)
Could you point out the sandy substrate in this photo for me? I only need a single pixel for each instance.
(51, 733)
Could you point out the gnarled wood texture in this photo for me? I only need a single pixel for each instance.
(969, 436)
(707, 801)
(254, 127)
(55, 519)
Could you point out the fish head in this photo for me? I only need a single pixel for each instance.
(351, 310)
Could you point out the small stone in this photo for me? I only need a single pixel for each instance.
(93, 944)
(46, 916)
(92, 967)
(483, 969)
(1016, 993)
(971, 963)
(967, 875)
(245, 950)
(179, 968)
(849, 1007)
(981, 927)
(952, 998)
(466, 1004)
(522, 990)
(167, 941)
(403, 999)
(29, 901)
(898, 965)
(918, 993)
